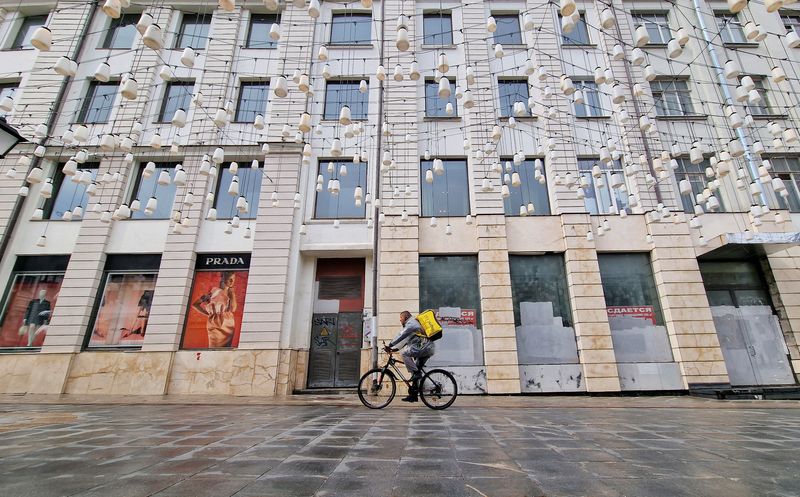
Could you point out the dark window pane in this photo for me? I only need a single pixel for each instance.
(696, 174)
(252, 101)
(98, 102)
(124, 310)
(628, 281)
(343, 205)
(531, 191)
(512, 91)
(599, 199)
(592, 106)
(258, 36)
(341, 93)
(249, 188)
(351, 29)
(435, 106)
(28, 306)
(149, 187)
(68, 193)
(508, 32)
(121, 32)
(177, 95)
(437, 28)
(578, 36)
(26, 29)
(448, 195)
(194, 31)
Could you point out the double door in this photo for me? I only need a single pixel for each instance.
(335, 351)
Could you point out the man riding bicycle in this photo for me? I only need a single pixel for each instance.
(418, 350)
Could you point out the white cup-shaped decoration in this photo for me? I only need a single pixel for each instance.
(778, 76)
(144, 22)
(790, 135)
(528, 22)
(398, 73)
(42, 39)
(567, 25)
(155, 141)
(220, 118)
(732, 69)
(126, 144)
(491, 24)
(607, 19)
(402, 42)
(64, 67)
(736, 6)
(649, 73)
(281, 87)
(130, 89)
(443, 66)
(7, 104)
(444, 88)
(741, 94)
(773, 5)
(617, 52)
(599, 75)
(617, 94)
(188, 57)
(747, 82)
(275, 32)
(674, 49)
(641, 37)
(108, 143)
(38, 215)
(567, 7)
(153, 37)
(81, 133)
(166, 73)
(179, 118)
(413, 71)
(792, 39)
(103, 72)
(112, 8)
(305, 122)
(638, 56)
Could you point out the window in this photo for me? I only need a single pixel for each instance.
(7, 90)
(591, 107)
(530, 191)
(341, 93)
(791, 22)
(343, 205)
(121, 32)
(508, 32)
(68, 192)
(194, 31)
(26, 29)
(696, 174)
(147, 188)
(252, 101)
(249, 188)
(578, 36)
(351, 29)
(730, 29)
(177, 95)
(448, 284)
(258, 36)
(656, 25)
(436, 106)
(511, 91)
(788, 169)
(98, 102)
(448, 195)
(437, 28)
(672, 97)
(761, 108)
(599, 197)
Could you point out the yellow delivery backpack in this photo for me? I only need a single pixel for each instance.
(431, 329)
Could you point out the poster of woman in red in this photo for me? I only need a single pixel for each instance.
(216, 305)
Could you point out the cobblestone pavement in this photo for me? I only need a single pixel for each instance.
(318, 450)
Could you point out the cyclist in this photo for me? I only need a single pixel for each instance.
(418, 350)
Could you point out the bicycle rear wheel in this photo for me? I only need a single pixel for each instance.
(438, 389)
(376, 389)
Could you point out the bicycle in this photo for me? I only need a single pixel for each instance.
(377, 388)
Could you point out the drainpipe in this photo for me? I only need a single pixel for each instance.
(377, 195)
(51, 121)
(723, 83)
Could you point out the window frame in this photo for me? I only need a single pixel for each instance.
(612, 193)
(137, 184)
(425, 210)
(687, 170)
(350, 31)
(724, 22)
(590, 90)
(88, 99)
(252, 211)
(782, 168)
(431, 83)
(430, 39)
(661, 104)
(269, 44)
(48, 206)
(113, 28)
(502, 18)
(164, 119)
(501, 81)
(18, 42)
(765, 108)
(791, 22)
(250, 84)
(566, 39)
(648, 19)
(363, 167)
(527, 179)
(354, 115)
(182, 28)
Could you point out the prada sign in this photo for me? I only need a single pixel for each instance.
(210, 262)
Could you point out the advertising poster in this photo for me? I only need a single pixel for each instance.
(28, 308)
(124, 310)
(450, 317)
(645, 312)
(216, 305)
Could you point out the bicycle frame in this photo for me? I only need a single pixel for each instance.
(390, 365)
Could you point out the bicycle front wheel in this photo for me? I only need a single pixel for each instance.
(438, 389)
(376, 388)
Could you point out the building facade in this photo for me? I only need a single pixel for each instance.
(589, 201)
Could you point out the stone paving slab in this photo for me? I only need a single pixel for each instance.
(681, 448)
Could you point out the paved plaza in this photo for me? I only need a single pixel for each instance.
(480, 447)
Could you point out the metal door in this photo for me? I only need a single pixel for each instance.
(348, 349)
(335, 352)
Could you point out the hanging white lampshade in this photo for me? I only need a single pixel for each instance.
(470, 75)
(41, 241)
(35, 175)
(444, 88)
(112, 8)
(220, 118)
(46, 191)
(151, 206)
(108, 143)
(344, 115)
(567, 7)
(129, 89)
(617, 52)
(469, 101)
(443, 66)
(42, 39)
(153, 37)
(281, 87)
(155, 141)
(145, 20)
(773, 5)
(275, 32)
(163, 178)
(179, 118)
(617, 94)
(567, 86)
(7, 105)
(674, 49)
(40, 151)
(65, 67)
(180, 176)
(103, 72)
(402, 43)
(40, 131)
(641, 37)
(148, 170)
(732, 69)
(736, 6)
(567, 24)
(498, 51)
(638, 56)
(607, 19)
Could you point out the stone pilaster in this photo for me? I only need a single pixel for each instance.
(785, 265)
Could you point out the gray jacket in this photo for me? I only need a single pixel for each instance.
(417, 346)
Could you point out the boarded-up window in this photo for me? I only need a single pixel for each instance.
(339, 287)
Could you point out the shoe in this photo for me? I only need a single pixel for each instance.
(410, 398)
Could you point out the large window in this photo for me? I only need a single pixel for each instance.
(696, 174)
(788, 170)
(342, 205)
(68, 192)
(656, 24)
(249, 188)
(448, 194)
(672, 97)
(599, 196)
(437, 28)
(511, 91)
(529, 192)
(730, 29)
(127, 290)
(177, 95)
(258, 34)
(194, 31)
(761, 108)
(27, 27)
(252, 101)
(341, 93)
(508, 32)
(30, 299)
(592, 105)
(98, 102)
(349, 28)
(449, 286)
(147, 188)
(121, 32)
(578, 36)
(436, 106)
